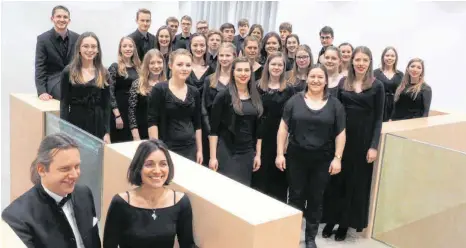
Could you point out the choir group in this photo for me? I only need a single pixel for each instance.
(257, 107)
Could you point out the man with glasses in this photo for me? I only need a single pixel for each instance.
(182, 40)
(202, 27)
(326, 39)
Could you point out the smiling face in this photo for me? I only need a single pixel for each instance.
(144, 21)
(164, 38)
(173, 27)
(63, 172)
(257, 33)
(127, 48)
(415, 70)
(276, 67)
(251, 49)
(316, 81)
(226, 56)
(292, 44)
(332, 60)
(60, 19)
(361, 62)
(389, 58)
(181, 67)
(302, 59)
(243, 30)
(155, 170)
(283, 34)
(346, 53)
(156, 65)
(198, 46)
(272, 45)
(242, 73)
(214, 42)
(88, 48)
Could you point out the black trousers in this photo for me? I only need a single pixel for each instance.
(308, 176)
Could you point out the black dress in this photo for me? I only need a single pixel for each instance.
(269, 179)
(408, 108)
(127, 226)
(137, 110)
(177, 120)
(258, 73)
(199, 82)
(237, 137)
(85, 105)
(390, 86)
(299, 85)
(119, 95)
(208, 97)
(347, 195)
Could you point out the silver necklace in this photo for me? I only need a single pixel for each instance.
(154, 216)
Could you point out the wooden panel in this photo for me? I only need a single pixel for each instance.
(8, 237)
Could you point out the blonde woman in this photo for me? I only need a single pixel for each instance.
(303, 62)
(122, 75)
(152, 72)
(85, 95)
(413, 96)
(346, 50)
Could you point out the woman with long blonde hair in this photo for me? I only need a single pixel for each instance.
(85, 94)
(152, 71)
(122, 75)
(414, 95)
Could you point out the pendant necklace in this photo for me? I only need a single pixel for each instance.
(154, 216)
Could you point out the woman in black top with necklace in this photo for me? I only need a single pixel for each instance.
(174, 110)
(213, 84)
(414, 95)
(303, 62)
(390, 77)
(200, 68)
(85, 95)
(274, 93)
(150, 215)
(152, 72)
(315, 122)
(122, 75)
(347, 198)
(235, 142)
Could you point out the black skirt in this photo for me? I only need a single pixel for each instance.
(236, 165)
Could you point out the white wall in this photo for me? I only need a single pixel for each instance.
(109, 20)
(433, 31)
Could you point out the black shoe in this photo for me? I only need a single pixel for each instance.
(340, 235)
(328, 230)
(311, 244)
(310, 234)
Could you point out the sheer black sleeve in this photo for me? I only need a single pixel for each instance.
(184, 225)
(65, 94)
(132, 104)
(426, 100)
(379, 100)
(113, 71)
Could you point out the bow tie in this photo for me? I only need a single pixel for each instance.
(64, 200)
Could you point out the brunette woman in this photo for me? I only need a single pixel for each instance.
(213, 84)
(122, 75)
(332, 62)
(302, 65)
(150, 215)
(251, 51)
(85, 95)
(291, 45)
(200, 68)
(274, 93)
(256, 31)
(174, 110)
(414, 95)
(152, 72)
(347, 199)
(346, 50)
(163, 43)
(390, 77)
(315, 122)
(270, 44)
(235, 143)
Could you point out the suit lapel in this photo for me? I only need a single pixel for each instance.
(83, 221)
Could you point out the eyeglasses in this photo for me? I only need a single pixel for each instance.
(302, 57)
(325, 37)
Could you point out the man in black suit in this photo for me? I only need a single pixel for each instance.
(54, 50)
(55, 212)
(238, 40)
(143, 39)
(326, 39)
(183, 39)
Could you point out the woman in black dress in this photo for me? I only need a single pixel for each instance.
(150, 215)
(164, 45)
(291, 45)
(332, 62)
(213, 84)
(390, 77)
(301, 67)
(414, 95)
(174, 110)
(152, 72)
(256, 31)
(122, 75)
(234, 136)
(251, 51)
(315, 122)
(85, 94)
(200, 68)
(346, 50)
(274, 92)
(270, 44)
(347, 198)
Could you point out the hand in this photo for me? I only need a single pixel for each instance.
(199, 157)
(257, 163)
(371, 155)
(107, 138)
(213, 164)
(45, 97)
(335, 166)
(280, 162)
(119, 123)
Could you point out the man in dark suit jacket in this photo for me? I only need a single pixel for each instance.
(143, 39)
(54, 50)
(55, 212)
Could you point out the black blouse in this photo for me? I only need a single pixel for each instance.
(208, 96)
(119, 83)
(390, 85)
(408, 108)
(127, 226)
(199, 82)
(314, 129)
(177, 120)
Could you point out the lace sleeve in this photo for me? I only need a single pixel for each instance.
(133, 102)
(113, 70)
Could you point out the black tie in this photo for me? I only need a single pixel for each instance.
(64, 200)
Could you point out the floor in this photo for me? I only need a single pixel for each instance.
(353, 240)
